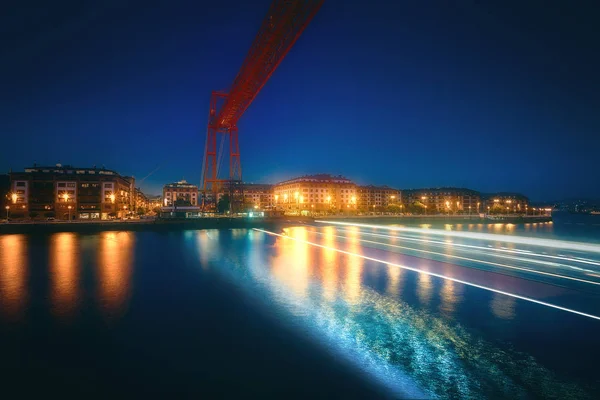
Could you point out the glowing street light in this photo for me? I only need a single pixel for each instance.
(66, 197)
(7, 209)
(276, 198)
(69, 213)
(14, 198)
(478, 207)
(112, 199)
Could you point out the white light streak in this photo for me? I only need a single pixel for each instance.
(474, 260)
(551, 243)
(516, 296)
(490, 248)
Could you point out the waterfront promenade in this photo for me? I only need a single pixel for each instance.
(237, 223)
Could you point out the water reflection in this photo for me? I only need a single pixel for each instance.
(354, 265)
(329, 264)
(382, 334)
(503, 306)
(13, 275)
(291, 263)
(451, 295)
(424, 288)
(395, 280)
(114, 271)
(64, 273)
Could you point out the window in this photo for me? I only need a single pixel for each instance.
(62, 184)
(108, 185)
(71, 184)
(20, 184)
(84, 185)
(95, 215)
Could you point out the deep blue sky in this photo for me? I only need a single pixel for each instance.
(501, 97)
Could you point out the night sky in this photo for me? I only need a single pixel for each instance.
(502, 97)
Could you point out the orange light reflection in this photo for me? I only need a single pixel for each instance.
(114, 272)
(64, 273)
(14, 271)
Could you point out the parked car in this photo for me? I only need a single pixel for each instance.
(50, 219)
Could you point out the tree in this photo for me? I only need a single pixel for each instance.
(156, 210)
(393, 208)
(141, 211)
(223, 204)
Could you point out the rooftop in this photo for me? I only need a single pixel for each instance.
(69, 169)
(318, 178)
(180, 184)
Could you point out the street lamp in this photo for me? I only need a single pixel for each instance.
(7, 209)
(69, 207)
(477, 207)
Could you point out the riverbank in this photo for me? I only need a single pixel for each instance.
(149, 225)
(438, 219)
(244, 223)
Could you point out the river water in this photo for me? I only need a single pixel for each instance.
(319, 309)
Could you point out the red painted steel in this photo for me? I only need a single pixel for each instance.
(284, 23)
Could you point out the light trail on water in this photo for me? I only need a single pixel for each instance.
(516, 296)
(490, 248)
(549, 243)
(469, 259)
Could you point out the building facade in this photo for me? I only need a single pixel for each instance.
(66, 192)
(444, 200)
(316, 193)
(374, 197)
(4, 195)
(259, 195)
(180, 193)
(506, 203)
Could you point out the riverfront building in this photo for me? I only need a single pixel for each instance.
(64, 191)
(372, 197)
(502, 203)
(315, 193)
(259, 195)
(180, 193)
(444, 200)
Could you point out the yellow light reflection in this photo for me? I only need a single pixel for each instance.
(291, 265)
(396, 278)
(425, 288)
(503, 306)
(352, 284)
(329, 266)
(14, 267)
(64, 273)
(114, 271)
(451, 295)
